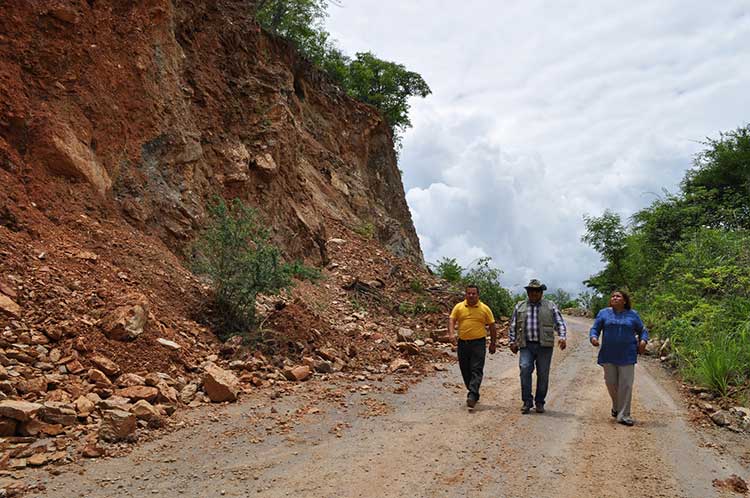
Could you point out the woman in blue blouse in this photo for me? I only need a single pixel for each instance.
(623, 337)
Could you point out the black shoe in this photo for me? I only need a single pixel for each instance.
(471, 402)
(626, 421)
(525, 409)
(539, 408)
(614, 412)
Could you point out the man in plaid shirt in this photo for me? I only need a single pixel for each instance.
(532, 331)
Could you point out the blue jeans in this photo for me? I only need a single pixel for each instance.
(534, 354)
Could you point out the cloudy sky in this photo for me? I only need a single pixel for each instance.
(542, 112)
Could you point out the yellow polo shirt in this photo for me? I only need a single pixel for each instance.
(472, 319)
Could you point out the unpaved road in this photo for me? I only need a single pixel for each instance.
(425, 444)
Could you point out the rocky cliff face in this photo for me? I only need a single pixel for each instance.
(145, 110)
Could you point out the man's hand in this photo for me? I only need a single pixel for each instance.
(562, 343)
(513, 347)
(493, 347)
(594, 342)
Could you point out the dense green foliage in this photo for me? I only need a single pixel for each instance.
(383, 84)
(686, 260)
(484, 276)
(235, 253)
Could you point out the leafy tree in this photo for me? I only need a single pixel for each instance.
(487, 278)
(607, 236)
(387, 86)
(686, 261)
(719, 183)
(562, 299)
(300, 21)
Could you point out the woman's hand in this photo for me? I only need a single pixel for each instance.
(642, 347)
(595, 342)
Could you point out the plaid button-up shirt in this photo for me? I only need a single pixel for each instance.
(532, 323)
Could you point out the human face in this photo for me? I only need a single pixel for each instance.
(617, 301)
(472, 296)
(535, 295)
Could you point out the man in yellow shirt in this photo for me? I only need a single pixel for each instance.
(471, 318)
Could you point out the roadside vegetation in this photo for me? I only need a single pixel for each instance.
(686, 261)
(383, 84)
(482, 274)
(234, 251)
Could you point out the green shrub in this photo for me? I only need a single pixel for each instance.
(235, 253)
(365, 229)
(448, 269)
(420, 307)
(417, 286)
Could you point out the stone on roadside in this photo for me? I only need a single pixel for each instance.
(58, 413)
(18, 410)
(7, 426)
(721, 418)
(130, 380)
(143, 410)
(167, 393)
(97, 377)
(328, 354)
(398, 364)
(109, 367)
(116, 425)
(84, 406)
(9, 306)
(37, 428)
(408, 348)
(404, 335)
(137, 393)
(298, 373)
(36, 385)
(188, 393)
(125, 323)
(168, 344)
(92, 451)
(219, 384)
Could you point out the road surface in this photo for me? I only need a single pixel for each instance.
(365, 440)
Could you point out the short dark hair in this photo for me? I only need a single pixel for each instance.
(625, 297)
(472, 286)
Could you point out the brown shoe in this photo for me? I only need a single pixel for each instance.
(525, 409)
(471, 402)
(539, 408)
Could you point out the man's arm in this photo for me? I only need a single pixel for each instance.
(493, 338)
(562, 329)
(452, 322)
(512, 331)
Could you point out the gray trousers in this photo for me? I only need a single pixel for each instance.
(619, 380)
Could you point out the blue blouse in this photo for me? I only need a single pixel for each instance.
(619, 344)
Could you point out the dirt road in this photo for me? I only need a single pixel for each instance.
(366, 441)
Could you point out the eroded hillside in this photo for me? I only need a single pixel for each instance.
(119, 123)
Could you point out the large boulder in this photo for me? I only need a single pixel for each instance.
(219, 384)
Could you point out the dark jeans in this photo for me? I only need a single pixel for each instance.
(534, 354)
(471, 355)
